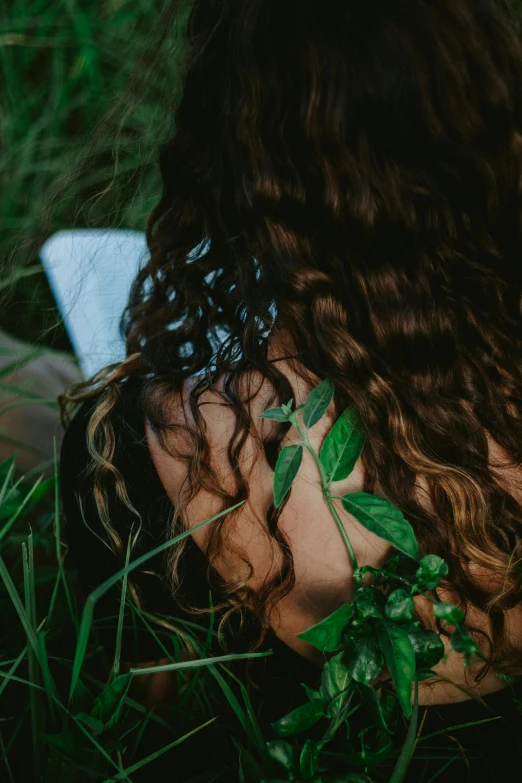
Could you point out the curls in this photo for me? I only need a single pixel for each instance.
(350, 176)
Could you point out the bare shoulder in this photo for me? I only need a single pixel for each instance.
(218, 420)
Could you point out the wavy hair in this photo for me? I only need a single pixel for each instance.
(347, 174)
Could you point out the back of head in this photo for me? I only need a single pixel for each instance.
(350, 173)
(355, 167)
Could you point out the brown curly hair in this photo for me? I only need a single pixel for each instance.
(353, 170)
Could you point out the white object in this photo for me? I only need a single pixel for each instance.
(90, 273)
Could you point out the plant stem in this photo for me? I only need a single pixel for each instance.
(325, 484)
(342, 531)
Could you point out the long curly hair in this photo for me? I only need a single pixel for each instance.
(347, 174)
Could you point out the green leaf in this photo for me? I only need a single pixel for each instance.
(363, 658)
(109, 704)
(462, 642)
(249, 769)
(318, 402)
(384, 519)
(427, 645)
(449, 612)
(351, 777)
(327, 635)
(309, 760)
(335, 685)
(311, 693)
(369, 602)
(432, 569)
(299, 719)
(282, 753)
(342, 446)
(424, 674)
(399, 606)
(286, 469)
(372, 705)
(275, 414)
(369, 758)
(400, 658)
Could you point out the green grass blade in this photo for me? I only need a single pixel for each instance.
(403, 762)
(122, 775)
(174, 635)
(143, 617)
(129, 701)
(141, 731)
(17, 729)
(255, 732)
(23, 403)
(10, 522)
(458, 726)
(444, 768)
(20, 361)
(198, 664)
(21, 446)
(30, 596)
(14, 678)
(92, 740)
(49, 684)
(18, 606)
(8, 675)
(4, 757)
(58, 544)
(119, 630)
(21, 391)
(231, 698)
(192, 688)
(35, 700)
(153, 756)
(7, 481)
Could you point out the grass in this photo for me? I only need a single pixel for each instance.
(63, 65)
(67, 710)
(67, 713)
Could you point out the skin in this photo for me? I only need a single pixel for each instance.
(322, 567)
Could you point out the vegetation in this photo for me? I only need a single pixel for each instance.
(63, 65)
(67, 709)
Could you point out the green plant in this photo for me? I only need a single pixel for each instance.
(66, 709)
(377, 629)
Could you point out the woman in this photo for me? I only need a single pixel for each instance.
(341, 199)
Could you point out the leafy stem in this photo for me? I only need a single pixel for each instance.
(325, 483)
(377, 628)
